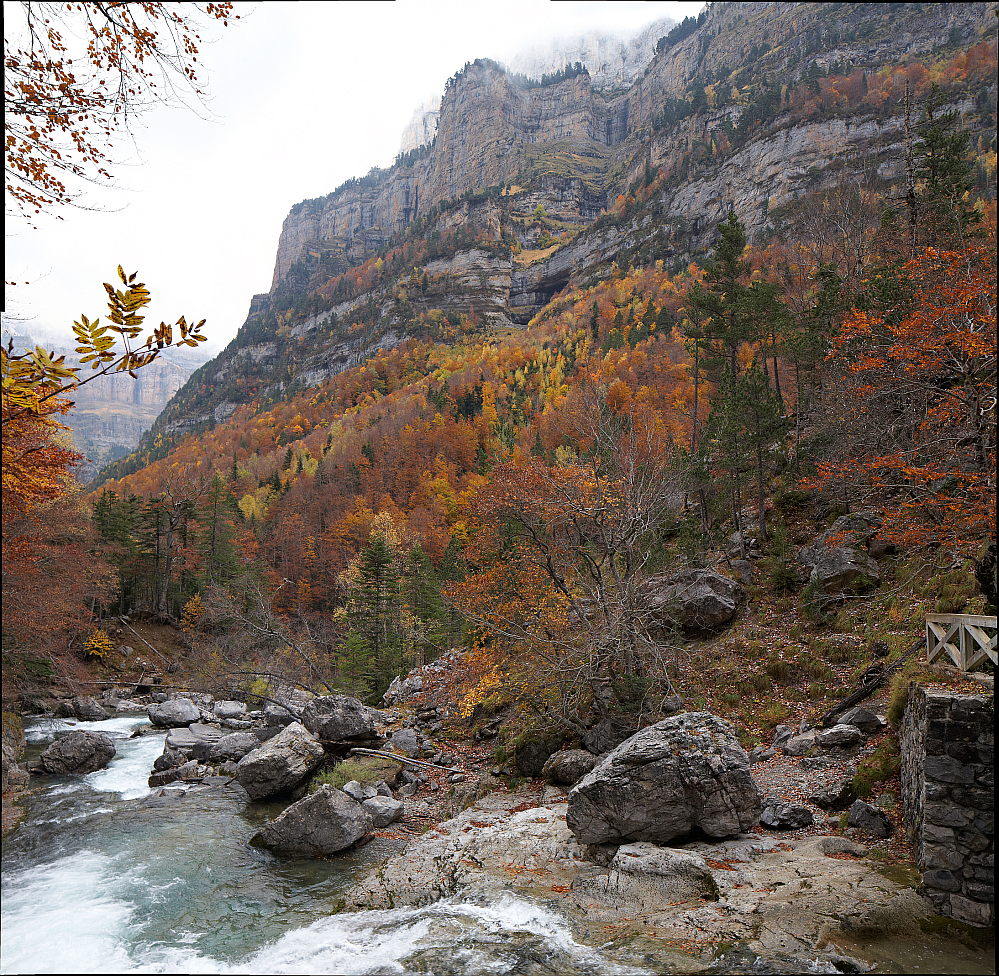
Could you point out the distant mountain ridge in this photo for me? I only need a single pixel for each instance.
(614, 60)
(111, 413)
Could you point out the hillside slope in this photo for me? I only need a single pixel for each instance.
(529, 188)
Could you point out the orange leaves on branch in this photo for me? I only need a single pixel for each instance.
(923, 384)
(75, 74)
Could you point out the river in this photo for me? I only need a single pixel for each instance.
(108, 876)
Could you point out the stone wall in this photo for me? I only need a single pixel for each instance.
(946, 743)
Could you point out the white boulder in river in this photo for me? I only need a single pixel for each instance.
(174, 713)
(325, 822)
(281, 763)
(78, 752)
(687, 773)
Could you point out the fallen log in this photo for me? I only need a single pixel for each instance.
(872, 679)
(403, 759)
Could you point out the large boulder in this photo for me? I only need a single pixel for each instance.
(683, 774)
(229, 709)
(193, 740)
(174, 713)
(568, 766)
(696, 600)
(322, 823)
(338, 718)
(78, 752)
(85, 709)
(231, 748)
(843, 570)
(281, 763)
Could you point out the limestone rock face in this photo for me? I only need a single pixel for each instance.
(338, 718)
(322, 823)
(174, 713)
(696, 600)
(685, 773)
(281, 763)
(78, 752)
(653, 877)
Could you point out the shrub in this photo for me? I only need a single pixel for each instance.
(783, 672)
(98, 644)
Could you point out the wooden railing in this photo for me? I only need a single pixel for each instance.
(966, 639)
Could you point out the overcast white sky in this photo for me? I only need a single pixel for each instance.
(303, 96)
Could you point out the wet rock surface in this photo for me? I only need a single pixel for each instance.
(77, 752)
(323, 823)
(775, 897)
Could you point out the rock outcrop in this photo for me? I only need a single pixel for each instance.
(505, 147)
(684, 774)
(650, 877)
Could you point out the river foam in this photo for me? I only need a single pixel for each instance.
(82, 899)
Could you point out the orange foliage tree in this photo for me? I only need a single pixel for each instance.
(51, 578)
(921, 399)
(560, 593)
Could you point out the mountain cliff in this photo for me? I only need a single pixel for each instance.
(613, 62)
(530, 186)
